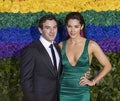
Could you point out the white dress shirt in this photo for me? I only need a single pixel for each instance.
(46, 44)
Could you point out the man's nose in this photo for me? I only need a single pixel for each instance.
(52, 29)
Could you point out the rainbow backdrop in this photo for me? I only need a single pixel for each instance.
(19, 20)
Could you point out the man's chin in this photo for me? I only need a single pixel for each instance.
(52, 39)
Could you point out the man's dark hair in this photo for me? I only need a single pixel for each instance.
(46, 17)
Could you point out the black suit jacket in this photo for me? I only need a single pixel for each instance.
(39, 78)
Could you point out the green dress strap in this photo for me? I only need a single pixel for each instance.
(63, 47)
(86, 47)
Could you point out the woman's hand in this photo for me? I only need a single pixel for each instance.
(87, 74)
(85, 81)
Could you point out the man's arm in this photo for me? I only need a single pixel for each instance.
(26, 71)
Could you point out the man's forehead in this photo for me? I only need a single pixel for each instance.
(50, 23)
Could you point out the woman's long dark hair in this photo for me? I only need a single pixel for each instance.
(79, 17)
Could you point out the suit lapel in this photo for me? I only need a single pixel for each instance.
(46, 56)
(59, 52)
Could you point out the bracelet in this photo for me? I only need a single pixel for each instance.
(93, 82)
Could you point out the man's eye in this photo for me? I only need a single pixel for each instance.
(47, 27)
(55, 27)
(68, 26)
(76, 26)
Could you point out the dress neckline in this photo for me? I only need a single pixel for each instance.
(78, 58)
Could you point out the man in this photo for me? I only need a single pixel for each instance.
(38, 74)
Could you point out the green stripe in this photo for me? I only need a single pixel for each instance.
(104, 18)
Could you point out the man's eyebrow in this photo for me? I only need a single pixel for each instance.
(46, 26)
(50, 26)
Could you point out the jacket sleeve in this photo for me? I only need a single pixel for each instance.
(26, 71)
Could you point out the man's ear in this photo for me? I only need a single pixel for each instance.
(40, 30)
(82, 26)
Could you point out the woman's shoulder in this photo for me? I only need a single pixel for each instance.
(93, 45)
(61, 43)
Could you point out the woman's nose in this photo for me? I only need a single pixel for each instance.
(72, 29)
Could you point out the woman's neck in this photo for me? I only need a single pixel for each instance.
(76, 40)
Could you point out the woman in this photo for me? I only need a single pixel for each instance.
(77, 53)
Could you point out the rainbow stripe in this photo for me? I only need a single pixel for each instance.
(58, 6)
(19, 20)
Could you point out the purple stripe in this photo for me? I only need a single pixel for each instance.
(13, 49)
(109, 45)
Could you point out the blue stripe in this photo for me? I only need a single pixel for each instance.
(31, 34)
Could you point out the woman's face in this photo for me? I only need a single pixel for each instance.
(74, 28)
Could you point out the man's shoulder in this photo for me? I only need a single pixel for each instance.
(31, 45)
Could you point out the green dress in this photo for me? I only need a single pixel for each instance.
(70, 90)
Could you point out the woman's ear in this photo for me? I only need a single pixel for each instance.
(82, 26)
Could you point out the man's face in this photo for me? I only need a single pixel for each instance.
(49, 30)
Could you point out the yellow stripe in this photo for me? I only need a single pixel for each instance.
(58, 6)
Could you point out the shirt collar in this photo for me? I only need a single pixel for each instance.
(45, 43)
